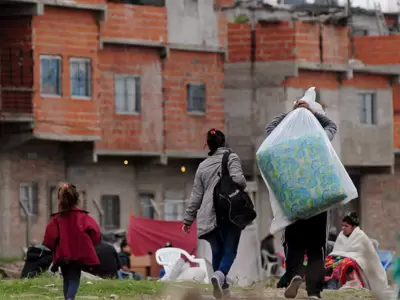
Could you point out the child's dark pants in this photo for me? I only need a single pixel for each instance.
(71, 278)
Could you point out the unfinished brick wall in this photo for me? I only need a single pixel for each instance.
(140, 132)
(367, 81)
(69, 34)
(377, 50)
(335, 44)
(380, 194)
(137, 22)
(283, 41)
(239, 43)
(307, 42)
(275, 41)
(185, 131)
(16, 64)
(321, 80)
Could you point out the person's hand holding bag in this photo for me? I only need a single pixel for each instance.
(303, 104)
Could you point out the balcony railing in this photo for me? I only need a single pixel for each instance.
(16, 80)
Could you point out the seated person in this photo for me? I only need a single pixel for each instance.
(355, 258)
(109, 261)
(125, 260)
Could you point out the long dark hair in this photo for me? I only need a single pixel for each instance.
(68, 198)
(215, 140)
(351, 219)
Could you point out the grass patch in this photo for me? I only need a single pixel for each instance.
(48, 287)
(10, 260)
(51, 288)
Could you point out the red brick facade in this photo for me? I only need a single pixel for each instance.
(289, 41)
(68, 34)
(126, 21)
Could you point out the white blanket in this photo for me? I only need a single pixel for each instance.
(360, 248)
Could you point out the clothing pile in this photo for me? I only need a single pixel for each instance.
(301, 169)
(341, 270)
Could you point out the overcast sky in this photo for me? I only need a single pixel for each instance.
(387, 5)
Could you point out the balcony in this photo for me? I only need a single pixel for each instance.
(16, 81)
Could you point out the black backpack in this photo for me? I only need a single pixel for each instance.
(231, 203)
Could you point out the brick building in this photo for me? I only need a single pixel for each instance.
(112, 96)
(279, 53)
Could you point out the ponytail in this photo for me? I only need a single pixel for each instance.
(68, 198)
(215, 140)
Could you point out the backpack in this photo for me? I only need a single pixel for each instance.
(231, 203)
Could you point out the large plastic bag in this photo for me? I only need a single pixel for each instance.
(301, 169)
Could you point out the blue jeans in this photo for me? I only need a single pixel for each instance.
(71, 279)
(125, 275)
(224, 242)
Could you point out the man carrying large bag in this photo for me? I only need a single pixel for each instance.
(310, 235)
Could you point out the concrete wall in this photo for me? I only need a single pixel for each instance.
(192, 22)
(366, 145)
(48, 163)
(42, 163)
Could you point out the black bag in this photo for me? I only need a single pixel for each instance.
(231, 203)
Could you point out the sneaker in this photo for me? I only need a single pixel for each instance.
(217, 281)
(314, 297)
(293, 287)
(226, 292)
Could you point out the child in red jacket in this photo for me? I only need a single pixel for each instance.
(71, 235)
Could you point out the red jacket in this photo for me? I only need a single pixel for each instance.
(73, 237)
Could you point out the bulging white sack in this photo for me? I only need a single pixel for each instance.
(301, 169)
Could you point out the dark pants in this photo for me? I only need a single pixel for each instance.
(224, 242)
(307, 237)
(71, 279)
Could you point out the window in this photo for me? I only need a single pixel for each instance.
(127, 94)
(50, 75)
(173, 210)
(111, 209)
(80, 70)
(196, 97)
(146, 200)
(368, 108)
(28, 197)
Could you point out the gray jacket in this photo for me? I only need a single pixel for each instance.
(328, 125)
(201, 204)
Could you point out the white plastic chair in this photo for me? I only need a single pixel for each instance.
(268, 265)
(168, 257)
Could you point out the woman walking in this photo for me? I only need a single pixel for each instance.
(71, 235)
(223, 236)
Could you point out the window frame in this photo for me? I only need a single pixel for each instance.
(32, 191)
(89, 77)
(149, 196)
(60, 92)
(181, 203)
(117, 223)
(138, 102)
(189, 108)
(364, 106)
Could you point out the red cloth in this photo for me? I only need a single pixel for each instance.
(146, 235)
(72, 237)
